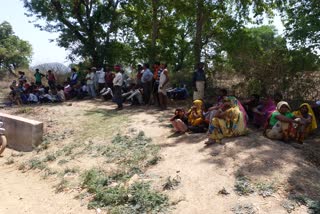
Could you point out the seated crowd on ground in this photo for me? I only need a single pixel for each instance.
(228, 117)
(105, 83)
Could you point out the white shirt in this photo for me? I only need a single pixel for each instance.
(101, 76)
(91, 78)
(118, 80)
(33, 98)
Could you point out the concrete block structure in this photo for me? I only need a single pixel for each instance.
(22, 134)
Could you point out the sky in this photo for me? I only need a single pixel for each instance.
(45, 51)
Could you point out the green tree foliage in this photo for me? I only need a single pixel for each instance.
(180, 32)
(89, 28)
(13, 50)
(264, 59)
(302, 22)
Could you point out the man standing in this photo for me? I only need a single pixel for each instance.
(109, 77)
(101, 79)
(38, 76)
(51, 79)
(163, 85)
(95, 79)
(199, 82)
(117, 87)
(90, 83)
(73, 77)
(146, 81)
(157, 69)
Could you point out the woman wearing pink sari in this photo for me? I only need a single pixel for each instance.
(263, 111)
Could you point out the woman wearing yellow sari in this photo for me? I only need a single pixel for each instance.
(307, 120)
(195, 113)
(229, 122)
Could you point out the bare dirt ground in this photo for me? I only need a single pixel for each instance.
(249, 174)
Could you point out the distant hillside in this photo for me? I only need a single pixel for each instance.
(54, 66)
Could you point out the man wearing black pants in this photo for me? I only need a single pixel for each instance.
(146, 81)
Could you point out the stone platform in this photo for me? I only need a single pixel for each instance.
(22, 134)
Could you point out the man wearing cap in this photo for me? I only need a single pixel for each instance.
(117, 87)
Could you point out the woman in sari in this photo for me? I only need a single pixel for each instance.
(307, 119)
(229, 122)
(196, 120)
(263, 111)
(195, 113)
(282, 123)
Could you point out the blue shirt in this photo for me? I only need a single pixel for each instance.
(147, 76)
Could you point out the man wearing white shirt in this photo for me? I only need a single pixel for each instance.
(117, 87)
(101, 79)
(90, 83)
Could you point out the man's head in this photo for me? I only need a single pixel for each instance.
(37, 70)
(200, 65)
(163, 65)
(146, 65)
(117, 68)
(156, 65)
(223, 92)
(74, 70)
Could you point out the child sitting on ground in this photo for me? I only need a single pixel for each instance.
(179, 121)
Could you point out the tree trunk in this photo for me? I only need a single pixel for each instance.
(155, 31)
(199, 26)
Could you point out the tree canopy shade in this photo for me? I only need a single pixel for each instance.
(112, 31)
(13, 50)
(88, 28)
(302, 22)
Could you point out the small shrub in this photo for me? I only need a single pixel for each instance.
(67, 150)
(171, 183)
(9, 161)
(131, 152)
(139, 198)
(49, 158)
(244, 209)
(36, 164)
(48, 172)
(288, 205)
(24, 110)
(266, 189)
(146, 200)
(94, 180)
(313, 205)
(62, 162)
(22, 166)
(243, 186)
(153, 161)
(71, 170)
(62, 185)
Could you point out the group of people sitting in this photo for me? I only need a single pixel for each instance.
(24, 92)
(229, 118)
(105, 82)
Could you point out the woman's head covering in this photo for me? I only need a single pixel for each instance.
(310, 111)
(198, 104)
(281, 103)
